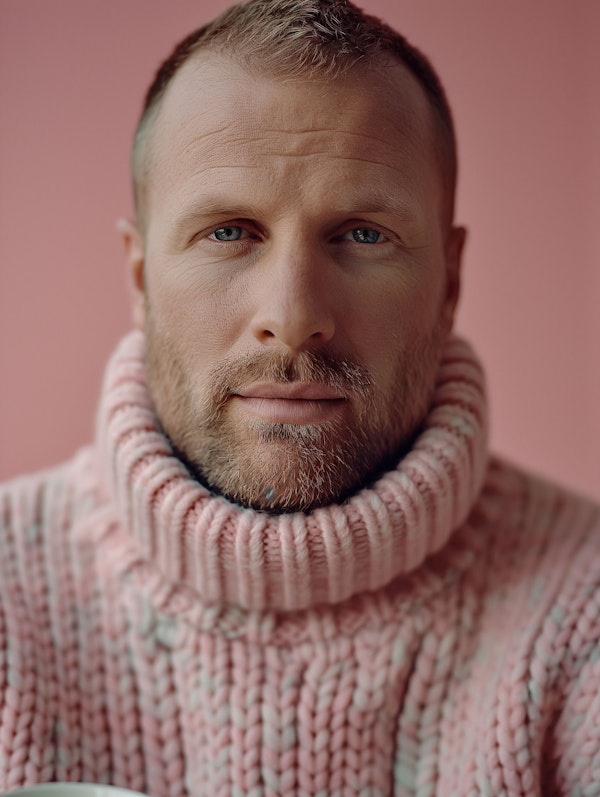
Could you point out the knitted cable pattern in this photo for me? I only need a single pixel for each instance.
(158, 638)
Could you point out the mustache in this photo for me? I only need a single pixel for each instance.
(341, 374)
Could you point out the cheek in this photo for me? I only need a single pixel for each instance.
(202, 317)
(409, 299)
(389, 325)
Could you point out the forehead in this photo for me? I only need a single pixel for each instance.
(214, 84)
(217, 115)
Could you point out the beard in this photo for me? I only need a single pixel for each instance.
(288, 467)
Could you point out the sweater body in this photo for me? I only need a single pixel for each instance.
(437, 633)
(476, 673)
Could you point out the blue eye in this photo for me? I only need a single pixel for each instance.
(227, 234)
(365, 235)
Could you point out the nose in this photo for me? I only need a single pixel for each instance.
(295, 299)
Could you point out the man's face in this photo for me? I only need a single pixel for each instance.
(297, 280)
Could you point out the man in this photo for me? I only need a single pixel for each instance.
(287, 565)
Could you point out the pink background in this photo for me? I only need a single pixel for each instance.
(523, 80)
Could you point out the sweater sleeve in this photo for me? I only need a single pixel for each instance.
(572, 749)
(26, 651)
(38, 617)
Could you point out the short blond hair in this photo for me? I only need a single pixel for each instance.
(301, 39)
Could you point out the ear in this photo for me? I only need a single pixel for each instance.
(453, 250)
(134, 257)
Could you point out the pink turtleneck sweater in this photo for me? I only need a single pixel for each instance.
(437, 634)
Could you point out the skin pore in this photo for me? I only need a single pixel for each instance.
(295, 277)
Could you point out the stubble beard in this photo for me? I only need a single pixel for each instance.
(284, 467)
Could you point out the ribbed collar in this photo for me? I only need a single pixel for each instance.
(232, 555)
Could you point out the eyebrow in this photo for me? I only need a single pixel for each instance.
(373, 201)
(381, 205)
(211, 206)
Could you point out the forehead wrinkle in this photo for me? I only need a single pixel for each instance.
(332, 133)
(273, 160)
(248, 129)
(251, 157)
(295, 142)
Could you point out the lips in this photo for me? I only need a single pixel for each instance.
(290, 391)
(295, 402)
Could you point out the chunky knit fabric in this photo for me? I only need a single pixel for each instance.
(437, 634)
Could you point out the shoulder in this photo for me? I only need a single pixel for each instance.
(541, 546)
(532, 510)
(543, 556)
(66, 478)
(43, 506)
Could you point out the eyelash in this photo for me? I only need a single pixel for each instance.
(363, 229)
(227, 227)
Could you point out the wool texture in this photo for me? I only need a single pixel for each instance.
(438, 633)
